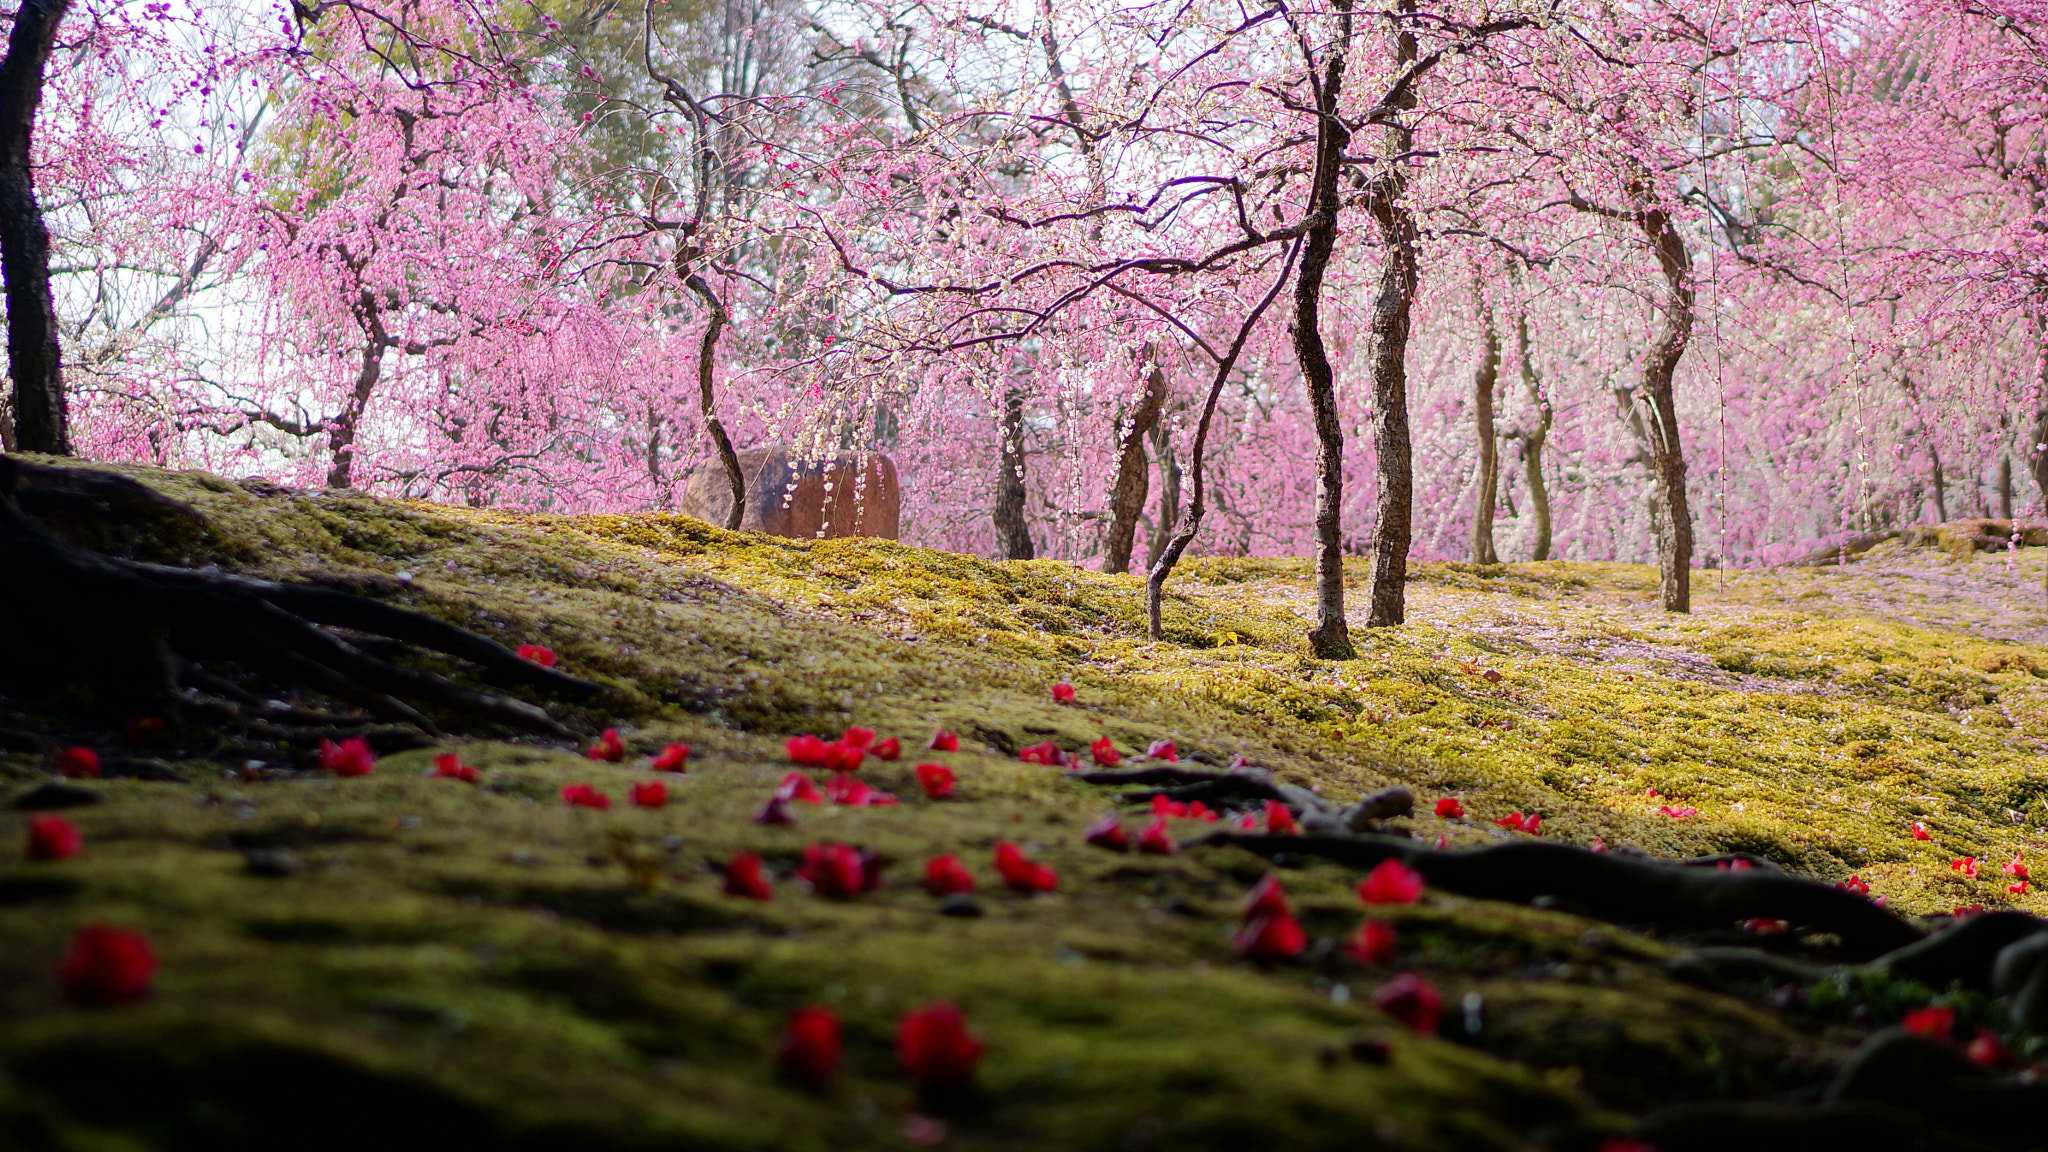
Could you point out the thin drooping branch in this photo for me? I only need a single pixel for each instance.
(1191, 520)
(40, 417)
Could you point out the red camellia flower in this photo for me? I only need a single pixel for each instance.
(944, 741)
(937, 780)
(584, 796)
(1021, 873)
(1161, 806)
(1412, 1000)
(1678, 813)
(1154, 838)
(1045, 753)
(1267, 898)
(744, 877)
(1270, 939)
(1279, 820)
(945, 875)
(1163, 750)
(854, 792)
(935, 1047)
(1063, 693)
(608, 748)
(78, 763)
(808, 1051)
(1450, 808)
(1855, 884)
(650, 794)
(890, 750)
(1392, 882)
(545, 657)
(1920, 831)
(673, 758)
(1935, 1023)
(351, 757)
(1764, 926)
(1373, 943)
(775, 812)
(834, 870)
(107, 965)
(449, 766)
(1105, 753)
(806, 750)
(1200, 811)
(2015, 867)
(1108, 832)
(2019, 889)
(53, 838)
(841, 756)
(798, 787)
(1986, 1050)
(858, 737)
(1967, 866)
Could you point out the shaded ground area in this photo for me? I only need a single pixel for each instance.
(345, 959)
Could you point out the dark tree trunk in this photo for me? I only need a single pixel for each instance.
(2005, 488)
(1484, 380)
(1533, 441)
(1671, 515)
(1127, 497)
(707, 352)
(1392, 313)
(341, 431)
(41, 422)
(1169, 492)
(1331, 637)
(1940, 486)
(1013, 535)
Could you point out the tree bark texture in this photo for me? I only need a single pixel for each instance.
(1127, 497)
(1169, 492)
(41, 422)
(1534, 438)
(1484, 381)
(1671, 514)
(2005, 487)
(1013, 534)
(707, 352)
(1331, 637)
(1392, 314)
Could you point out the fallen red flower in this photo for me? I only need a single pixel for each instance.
(798, 787)
(1987, 1051)
(1161, 806)
(1853, 884)
(351, 757)
(1598, 847)
(1450, 808)
(584, 796)
(1411, 1000)
(107, 965)
(1063, 693)
(1270, 939)
(841, 756)
(1045, 753)
(1533, 825)
(78, 763)
(1732, 866)
(1391, 882)
(1200, 811)
(1163, 750)
(1920, 832)
(937, 780)
(53, 838)
(1105, 753)
(1108, 832)
(673, 758)
(944, 741)
(833, 870)
(1373, 943)
(1964, 912)
(744, 877)
(1936, 1022)
(1512, 821)
(1967, 866)
(2015, 867)
(1677, 813)
(1764, 926)
(806, 750)
(1154, 838)
(807, 1052)
(1267, 898)
(935, 1047)
(775, 812)
(449, 766)
(890, 749)
(2019, 889)
(537, 654)
(946, 875)
(858, 737)
(650, 794)
(1021, 873)
(1279, 819)
(609, 748)
(854, 792)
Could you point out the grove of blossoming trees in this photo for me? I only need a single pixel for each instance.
(1688, 281)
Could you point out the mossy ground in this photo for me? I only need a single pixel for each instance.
(483, 959)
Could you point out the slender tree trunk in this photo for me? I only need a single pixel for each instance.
(1127, 496)
(707, 352)
(1331, 637)
(41, 421)
(1940, 486)
(342, 430)
(1672, 515)
(1392, 314)
(1013, 534)
(2005, 488)
(1483, 383)
(1169, 492)
(1533, 441)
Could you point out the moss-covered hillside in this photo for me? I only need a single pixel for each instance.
(399, 958)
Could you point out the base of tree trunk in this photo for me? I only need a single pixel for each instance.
(87, 628)
(1332, 641)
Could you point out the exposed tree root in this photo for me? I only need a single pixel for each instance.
(129, 637)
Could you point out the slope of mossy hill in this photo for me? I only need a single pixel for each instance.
(400, 959)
